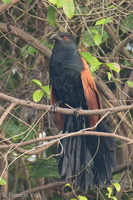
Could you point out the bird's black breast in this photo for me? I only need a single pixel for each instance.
(65, 79)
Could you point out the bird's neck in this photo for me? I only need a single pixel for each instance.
(66, 53)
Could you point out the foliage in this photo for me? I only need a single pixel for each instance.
(102, 30)
(79, 198)
(38, 94)
(2, 181)
(49, 165)
(6, 1)
(110, 191)
(94, 36)
(95, 64)
(130, 83)
(67, 5)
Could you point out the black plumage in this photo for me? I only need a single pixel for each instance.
(86, 161)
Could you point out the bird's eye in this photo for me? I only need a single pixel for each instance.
(65, 37)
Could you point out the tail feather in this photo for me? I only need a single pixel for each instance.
(86, 161)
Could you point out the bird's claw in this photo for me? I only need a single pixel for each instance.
(55, 105)
(76, 111)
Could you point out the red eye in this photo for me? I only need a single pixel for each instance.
(65, 37)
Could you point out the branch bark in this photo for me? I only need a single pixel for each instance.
(27, 38)
(4, 7)
(12, 105)
(56, 139)
(64, 110)
(120, 44)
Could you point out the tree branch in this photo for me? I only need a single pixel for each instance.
(27, 38)
(123, 167)
(35, 150)
(56, 139)
(4, 7)
(120, 44)
(64, 110)
(7, 111)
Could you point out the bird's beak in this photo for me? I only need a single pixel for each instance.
(55, 37)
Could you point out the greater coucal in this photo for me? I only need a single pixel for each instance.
(86, 160)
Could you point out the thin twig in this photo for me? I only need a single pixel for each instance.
(27, 38)
(7, 111)
(56, 138)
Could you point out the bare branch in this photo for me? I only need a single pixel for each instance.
(4, 7)
(8, 110)
(64, 110)
(123, 167)
(56, 139)
(27, 38)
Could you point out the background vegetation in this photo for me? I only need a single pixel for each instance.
(104, 33)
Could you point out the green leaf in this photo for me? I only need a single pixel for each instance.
(95, 64)
(24, 52)
(117, 186)
(67, 185)
(51, 15)
(109, 190)
(8, 62)
(88, 37)
(68, 8)
(37, 82)
(127, 63)
(117, 177)
(130, 83)
(127, 24)
(73, 199)
(37, 95)
(2, 181)
(14, 128)
(110, 7)
(53, 1)
(82, 198)
(97, 39)
(114, 66)
(108, 195)
(104, 21)
(59, 3)
(44, 168)
(47, 90)
(94, 31)
(31, 50)
(50, 46)
(6, 1)
(93, 61)
(113, 198)
(109, 75)
(87, 56)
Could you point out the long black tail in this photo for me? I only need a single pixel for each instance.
(86, 161)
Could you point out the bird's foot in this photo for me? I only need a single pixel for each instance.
(55, 105)
(76, 111)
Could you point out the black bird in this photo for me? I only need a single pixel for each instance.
(85, 161)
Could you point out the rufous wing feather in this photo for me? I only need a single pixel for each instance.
(58, 118)
(91, 93)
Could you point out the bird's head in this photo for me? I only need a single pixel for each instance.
(64, 39)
